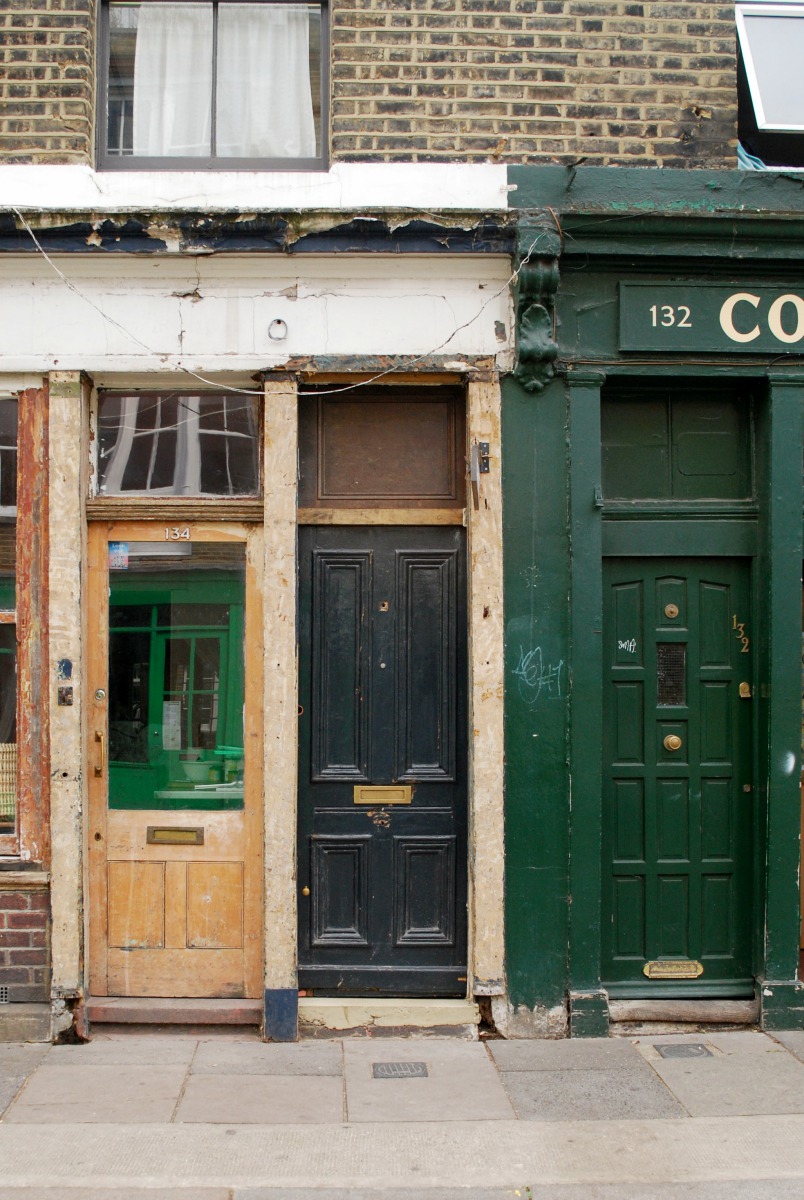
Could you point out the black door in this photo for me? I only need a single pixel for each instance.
(382, 760)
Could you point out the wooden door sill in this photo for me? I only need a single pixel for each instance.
(149, 1010)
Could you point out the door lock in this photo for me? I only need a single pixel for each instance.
(672, 742)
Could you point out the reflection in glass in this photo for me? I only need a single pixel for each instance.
(8, 633)
(8, 728)
(176, 678)
(178, 445)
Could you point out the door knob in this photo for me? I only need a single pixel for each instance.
(672, 742)
(305, 891)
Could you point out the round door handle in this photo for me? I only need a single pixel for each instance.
(672, 742)
(305, 891)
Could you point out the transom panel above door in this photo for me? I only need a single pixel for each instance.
(678, 777)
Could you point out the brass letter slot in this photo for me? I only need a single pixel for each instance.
(383, 793)
(673, 968)
(161, 835)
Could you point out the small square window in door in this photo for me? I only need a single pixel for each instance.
(671, 673)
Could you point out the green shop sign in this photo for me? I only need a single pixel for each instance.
(721, 318)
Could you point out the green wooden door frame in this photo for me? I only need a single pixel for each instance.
(780, 462)
(588, 1009)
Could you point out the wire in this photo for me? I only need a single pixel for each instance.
(217, 386)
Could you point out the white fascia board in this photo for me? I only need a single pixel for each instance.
(170, 315)
(419, 187)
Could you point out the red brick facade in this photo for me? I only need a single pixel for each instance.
(24, 944)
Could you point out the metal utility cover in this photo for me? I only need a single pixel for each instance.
(399, 1070)
(684, 1050)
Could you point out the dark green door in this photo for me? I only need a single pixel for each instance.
(678, 783)
(382, 760)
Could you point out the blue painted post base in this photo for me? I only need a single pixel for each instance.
(588, 1014)
(281, 1022)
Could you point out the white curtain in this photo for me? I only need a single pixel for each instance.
(264, 105)
(173, 80)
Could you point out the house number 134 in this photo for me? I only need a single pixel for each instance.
(175, 534)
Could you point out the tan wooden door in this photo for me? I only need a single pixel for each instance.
(174, 760)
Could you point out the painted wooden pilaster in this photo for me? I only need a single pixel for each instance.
(782, 1000)
(486, 639)
(67, 471)
(281, 701)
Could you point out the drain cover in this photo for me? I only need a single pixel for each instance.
(399, 1070)
(683, 1050)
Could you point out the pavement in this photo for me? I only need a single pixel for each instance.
(219, 1115)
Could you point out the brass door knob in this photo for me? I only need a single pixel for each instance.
(305, 891)
(672, 742)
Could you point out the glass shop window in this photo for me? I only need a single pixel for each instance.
(8, 629)
(174, 444)
(213, 84)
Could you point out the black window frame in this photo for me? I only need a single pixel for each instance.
(132, 162)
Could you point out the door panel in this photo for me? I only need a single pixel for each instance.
(175, 850)
(382, 702)
(678, 780)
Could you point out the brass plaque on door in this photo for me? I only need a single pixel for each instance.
(383, 793)
(673, 968)
(166, 835)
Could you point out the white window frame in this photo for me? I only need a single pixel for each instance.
(765, 9)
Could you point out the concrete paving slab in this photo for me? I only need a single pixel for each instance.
(21, 1059)
(792, 1040)
(133, 1095)
(597, 1095)
(261, 1100)
(586, 1054)
(9, 1086)
(748, 1074)
(473, 1154)
(122, 1050)
(773, 1189)
(262, 1058)
(462, 1083)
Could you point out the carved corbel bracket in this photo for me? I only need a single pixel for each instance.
(538, 248)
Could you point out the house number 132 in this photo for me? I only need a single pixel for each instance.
(669, 314)
(174, 534)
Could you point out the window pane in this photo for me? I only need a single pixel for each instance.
(264, 88)
(8, 728)
(160, 80)
(773, 46)
(8, 633)
(178, 445)
(267, 46)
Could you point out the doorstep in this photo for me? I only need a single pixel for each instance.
(149, 1010)
(332, 1016)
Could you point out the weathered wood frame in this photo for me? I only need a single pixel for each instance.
(31, 841)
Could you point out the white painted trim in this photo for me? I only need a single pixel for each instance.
(427, 187)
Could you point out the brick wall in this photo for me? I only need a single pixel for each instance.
(534, 80)
(512, 80)
(46, 80)
(24, 944)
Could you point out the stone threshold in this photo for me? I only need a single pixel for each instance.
(333, 1016)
